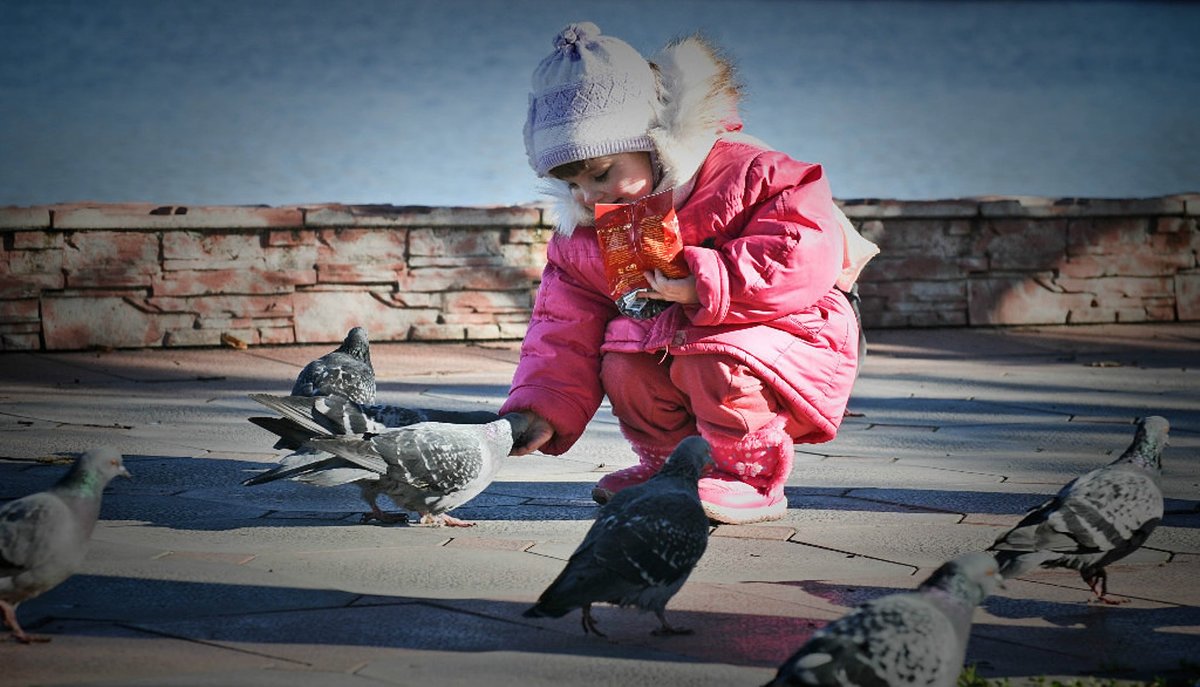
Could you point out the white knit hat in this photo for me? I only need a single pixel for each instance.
(594, 95)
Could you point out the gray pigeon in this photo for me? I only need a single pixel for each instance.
(345, 372)
(44, 536)
(428, 467)
(915, 639)
(1096, 519)
(309, 417)
(640, 550)
(306, 417)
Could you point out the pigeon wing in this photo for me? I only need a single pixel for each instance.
(33, 530)
(1096, 512)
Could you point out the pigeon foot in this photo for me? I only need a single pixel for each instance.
(589, 623)
(384, 517)
(444, 520)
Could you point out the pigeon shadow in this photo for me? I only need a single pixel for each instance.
(268, 619)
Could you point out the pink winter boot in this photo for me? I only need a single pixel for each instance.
(746, 484)
(649, 462)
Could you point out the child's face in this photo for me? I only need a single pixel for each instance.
(620, 178)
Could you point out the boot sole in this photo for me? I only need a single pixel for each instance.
(743, 516)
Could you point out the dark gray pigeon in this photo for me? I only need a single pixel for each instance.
(640, 550)
(345, 372)
(428, 467)
(914, 639)
(1096, 519)
(44, 536)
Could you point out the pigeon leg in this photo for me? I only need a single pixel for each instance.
(667, 629)
(1098, 581)
(444, 519)
(382, 516)
(10, 619)
(589, 623)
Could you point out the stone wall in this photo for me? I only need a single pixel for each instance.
(130, 276)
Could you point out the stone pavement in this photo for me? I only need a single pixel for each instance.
(193, 579)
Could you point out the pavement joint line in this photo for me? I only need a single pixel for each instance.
(211, 643)
(850, 554)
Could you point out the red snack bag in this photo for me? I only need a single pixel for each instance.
(636, 238)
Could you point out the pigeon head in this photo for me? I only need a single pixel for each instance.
(689, 459)
(970, 577)
(1148, 444)
(356, 344)
(94, 470)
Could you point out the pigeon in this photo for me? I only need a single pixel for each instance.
(915, 639)
(345, 372)
(642, 547)
(308, 417)
(1096, 519)
(427, 467)
(44, 536)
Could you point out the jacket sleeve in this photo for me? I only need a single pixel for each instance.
(558, 376)
(787, 255)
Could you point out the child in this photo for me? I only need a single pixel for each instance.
(758, 344)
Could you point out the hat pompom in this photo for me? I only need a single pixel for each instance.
(574, 35)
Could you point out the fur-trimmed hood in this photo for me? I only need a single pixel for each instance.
(698, 104)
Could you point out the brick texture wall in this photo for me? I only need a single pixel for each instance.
(132, 276)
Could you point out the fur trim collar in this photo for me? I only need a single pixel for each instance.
(698, 97)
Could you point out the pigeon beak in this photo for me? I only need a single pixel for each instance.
(124, 472)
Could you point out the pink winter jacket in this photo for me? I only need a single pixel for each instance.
(762, 240)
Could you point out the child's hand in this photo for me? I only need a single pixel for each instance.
(539, 433)
(674, 290)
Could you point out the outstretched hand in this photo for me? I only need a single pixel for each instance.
(538, 433)
(673, 290)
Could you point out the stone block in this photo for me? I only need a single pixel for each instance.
(19, 310)
(29, 285)
(291, 237)
(355, 244)
(1033, 206)
(429, 279)
(211, 249)
(37, 240)
(189, 336)
(246, 281)
(99, 259)
(487, 301)
(486, 262)
(19, 341)
(453, 242)
(276, 336)
(336, 215)
(74, 323)
(1095, 314)
(24, 218)
(926, 237)
(150, 216)
(1019, 300)
(1107, 235)
(1020, 244)
(359, 273)
(523, 254)
(885, 268)
(252, 307)
(873, 208)
(538, 236)
(1108, 288)
(18, 263)
(1187, 296)
(438, 332)
(326, 316)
